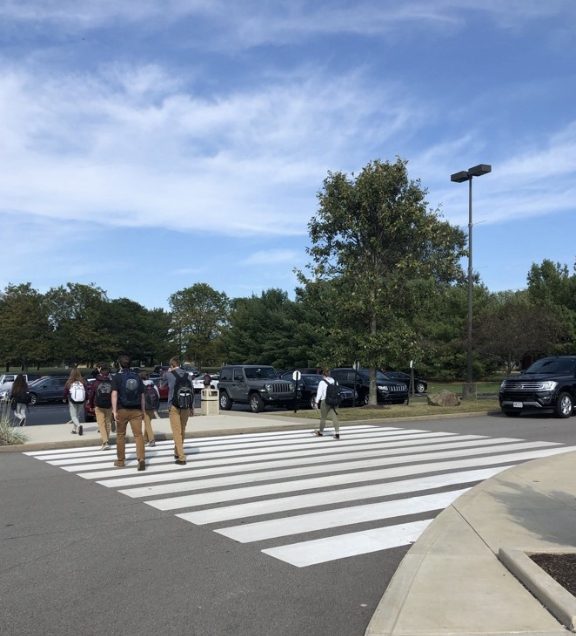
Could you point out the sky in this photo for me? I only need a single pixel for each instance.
(147, 146)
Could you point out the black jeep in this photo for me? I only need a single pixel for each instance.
(548, 385)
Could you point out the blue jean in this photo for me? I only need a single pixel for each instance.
(75, 410)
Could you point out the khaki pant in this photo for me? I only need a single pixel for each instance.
(104, 420)
(134, 416)
(178, 419)
(148, 431)
(325, 410)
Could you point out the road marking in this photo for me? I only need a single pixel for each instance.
(321, 491)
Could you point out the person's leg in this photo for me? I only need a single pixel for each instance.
(101, 421)
(184, 414)
(323, 414)
(136, 426)
(121, 423)
(20, 413)
(108, 422)
(73, 416)
(335, 423)
(148, 431)
(176, 426)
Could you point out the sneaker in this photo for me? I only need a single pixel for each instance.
(142, 465)
(318, 433)
(180, 462)
(80, 430)
(152, 443)
(105, 446)
(336, 435)
(119, 463)
(74, 431)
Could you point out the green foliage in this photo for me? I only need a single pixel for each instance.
(8, 434)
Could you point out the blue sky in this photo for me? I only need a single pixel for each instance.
(150, 145)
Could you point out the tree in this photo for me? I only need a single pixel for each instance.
(77, 314)
(383, 250)
(512, 329)
(199, 314)
(261, 330)
(25, 335)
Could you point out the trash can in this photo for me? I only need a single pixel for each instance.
(209, 401)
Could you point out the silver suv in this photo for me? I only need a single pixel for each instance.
(256, 385)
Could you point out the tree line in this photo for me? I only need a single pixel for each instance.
(384, 286)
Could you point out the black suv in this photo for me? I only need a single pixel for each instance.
(256, 385)
(389, 391)
(547, 385)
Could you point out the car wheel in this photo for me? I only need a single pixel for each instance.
(365, 399)
(33, 399)
(564, 405)
(511, 413)
(256, 403)
(225, 401)
(89, 418)
(420, 388)
(312, 402)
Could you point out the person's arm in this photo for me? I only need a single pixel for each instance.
(114, 399)
(321, 392)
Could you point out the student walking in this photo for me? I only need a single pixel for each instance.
(327, 398)
(75, 393)
(181, 406)
(151, 404)
(128, 407)
(20, 398)
(100, 399)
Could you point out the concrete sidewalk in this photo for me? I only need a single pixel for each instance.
(469, 573)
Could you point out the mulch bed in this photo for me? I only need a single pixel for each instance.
(561, 567)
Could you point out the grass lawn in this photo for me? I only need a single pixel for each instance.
(418, 407)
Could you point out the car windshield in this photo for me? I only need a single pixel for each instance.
(261, 373)
(380, 376)
(556, 366)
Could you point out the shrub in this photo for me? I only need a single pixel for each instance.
(8, 434)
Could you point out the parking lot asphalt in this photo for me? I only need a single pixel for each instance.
(470, 572)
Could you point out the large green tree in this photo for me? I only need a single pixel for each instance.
(199, 313)
(25, 336)
(384, 250)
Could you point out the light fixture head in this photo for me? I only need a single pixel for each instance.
(479, 170)
(460, 177)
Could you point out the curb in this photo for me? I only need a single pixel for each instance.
(557, 600)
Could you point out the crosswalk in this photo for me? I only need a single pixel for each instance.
(307, 500)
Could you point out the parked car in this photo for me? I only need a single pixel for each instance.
(548, 385)
(161, 384)
(420, 386)
(388, 391)
(308, 385)
(198, 381)
(256, 385)
(48, 388)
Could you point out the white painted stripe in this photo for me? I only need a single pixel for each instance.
(224, 457)
(346, 545)
(246, 492)
(262, 446)
(336, 518)
(254, 474)
(342, 495)
(296, 458)
(242, 436)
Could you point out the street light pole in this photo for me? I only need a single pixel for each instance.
(460, 177)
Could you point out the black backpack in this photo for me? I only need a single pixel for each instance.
(151, 399)
(183, 396)
(332, 398)
(103, 396)
(129, 390)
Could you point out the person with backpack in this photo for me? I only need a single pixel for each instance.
(128, 407)
(151, 404)
(180, 406)
(20, 398)
(328, 399)
(100, 399)
(75, 394)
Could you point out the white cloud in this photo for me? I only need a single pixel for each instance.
(272, 257)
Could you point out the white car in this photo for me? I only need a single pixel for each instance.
(6, 382)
